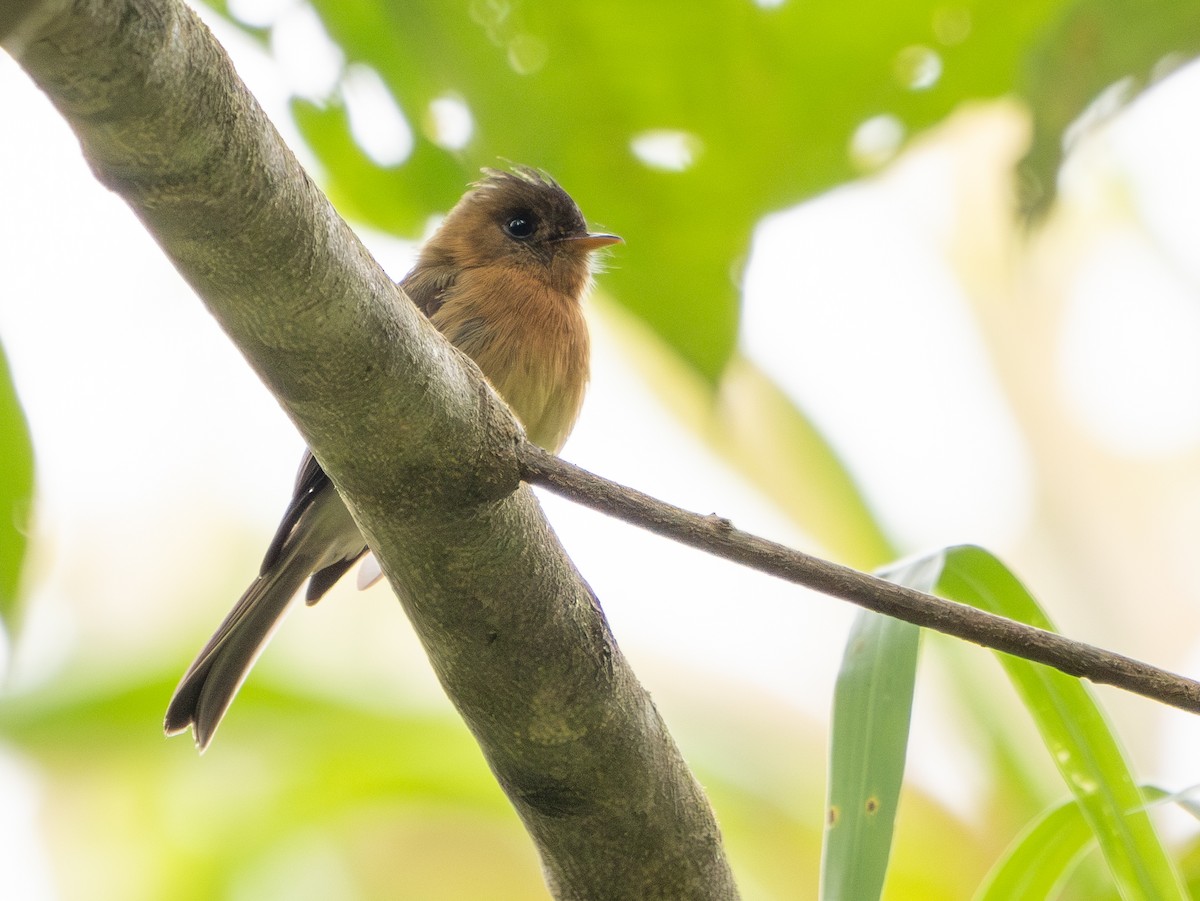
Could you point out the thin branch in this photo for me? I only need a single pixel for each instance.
(718, 536)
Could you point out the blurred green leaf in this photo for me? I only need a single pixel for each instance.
(1189, 862)
(1077, 734)
(1187, 800)
(757, 106)
(872, 705)
(16, 493)
(309, 797)
(1041, 858)
(296, 794)
(1110, 48)
(398, 200)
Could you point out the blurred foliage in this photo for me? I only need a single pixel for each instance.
(303, 805)
(763, 102)
(16, 494)
(1046, 854)
(304, 797)
(1099, 54)
(1042, 857)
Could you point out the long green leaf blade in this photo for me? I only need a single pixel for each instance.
(1079, 737)
(1041, 858)
(16, 492)
(871, 712)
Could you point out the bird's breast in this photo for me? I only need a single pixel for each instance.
(530, 341)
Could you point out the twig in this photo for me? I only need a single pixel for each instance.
(718, 536)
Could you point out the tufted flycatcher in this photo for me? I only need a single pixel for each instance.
(503, 279)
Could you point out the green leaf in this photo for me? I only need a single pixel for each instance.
(134, 815)
(762, 101)
(1076, 732)
(1186, 800)
(1120, 45)
(869, 738)
(400, 802)
(399, 199)
(1041, 858)
(16, 493)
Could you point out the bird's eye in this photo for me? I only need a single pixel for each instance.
(520, 227)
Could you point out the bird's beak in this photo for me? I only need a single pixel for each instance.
(588, 243)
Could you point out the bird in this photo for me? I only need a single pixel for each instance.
(503, 278)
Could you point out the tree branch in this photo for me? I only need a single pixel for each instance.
(718, 536)
(417, 443)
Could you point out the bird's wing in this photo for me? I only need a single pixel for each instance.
(428, 286)
(309, 481)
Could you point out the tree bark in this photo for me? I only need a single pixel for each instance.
(420, 447)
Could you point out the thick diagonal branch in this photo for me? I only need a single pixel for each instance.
(420, 447)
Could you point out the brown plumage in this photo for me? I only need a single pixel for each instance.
(502, 279)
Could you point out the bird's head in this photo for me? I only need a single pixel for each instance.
(522, 220)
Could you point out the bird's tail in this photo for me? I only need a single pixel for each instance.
(211, 682)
